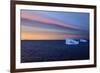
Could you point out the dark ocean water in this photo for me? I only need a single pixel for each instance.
(52, 50)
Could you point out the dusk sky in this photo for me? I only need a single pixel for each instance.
(52, 25)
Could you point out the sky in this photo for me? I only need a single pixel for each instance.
(53, 25)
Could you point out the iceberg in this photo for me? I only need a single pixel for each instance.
(83, 40)
(71, 42)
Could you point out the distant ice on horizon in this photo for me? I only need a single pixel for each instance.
(74, 42)
(71, 42)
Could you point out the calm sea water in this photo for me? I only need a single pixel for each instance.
(52, 50)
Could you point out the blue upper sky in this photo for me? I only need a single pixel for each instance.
(75, 18)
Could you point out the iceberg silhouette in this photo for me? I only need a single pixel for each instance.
(83, 40)
(71, 42)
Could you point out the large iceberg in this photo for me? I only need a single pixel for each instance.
(71, 42)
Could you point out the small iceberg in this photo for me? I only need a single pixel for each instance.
(71, 42)
(83, 40)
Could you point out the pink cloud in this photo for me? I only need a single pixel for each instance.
(46, 20)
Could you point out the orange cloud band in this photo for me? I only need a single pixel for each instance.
(46, 36)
